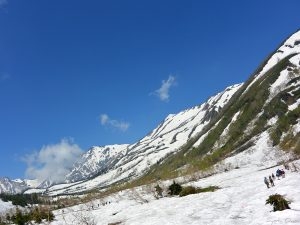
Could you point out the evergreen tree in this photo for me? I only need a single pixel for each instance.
(19, 218)
(278, 201)
(175, 189)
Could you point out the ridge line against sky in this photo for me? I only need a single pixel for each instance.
(75, 75)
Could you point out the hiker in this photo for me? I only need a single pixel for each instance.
(273, 176)
(266, 182)
(271, 181)
(282, 173)
(278, 173)
(286, 166)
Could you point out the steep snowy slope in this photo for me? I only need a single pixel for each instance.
(16, 186)
(289, 47)
(267, 104)
(124, 162)
(96, 161)
(12, 186)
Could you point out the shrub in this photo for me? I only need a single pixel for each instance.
(21, 199)
(159, 191)
(37, 215)
(175, 189)
(19, 218)
(208, 189)
(188, 191)
(192, 190)
(279, 202)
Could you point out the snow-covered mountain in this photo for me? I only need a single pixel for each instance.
(96, 161)
(102, 166)
(17, 185)
(12, 186)
(263, 111)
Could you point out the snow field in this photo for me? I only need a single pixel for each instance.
(241, 200)
(5, 206)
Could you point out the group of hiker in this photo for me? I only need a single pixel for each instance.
(270, 181)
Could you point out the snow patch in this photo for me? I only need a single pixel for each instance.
(279, 85)
(223, 137)
(296, 128)
(272, 121)
(5, 206)
(262, 153)
(294, 106)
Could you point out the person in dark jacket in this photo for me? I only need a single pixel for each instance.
(278, 173)
(273, 176)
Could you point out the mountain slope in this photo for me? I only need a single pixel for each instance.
(11, 186)
(103, 166)
(96, 161)
(267, 102)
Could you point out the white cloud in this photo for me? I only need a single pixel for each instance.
(52, 161)
(163, 91)
(3, 3)
(104, 119)
(120, 125)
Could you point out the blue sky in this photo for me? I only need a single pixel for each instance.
(74, 74)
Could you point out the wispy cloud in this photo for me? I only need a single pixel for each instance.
(3, 3)
(163, 91)
(52, 161)
(120, 125)
(4, 76)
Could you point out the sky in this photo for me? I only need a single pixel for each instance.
(74, 74)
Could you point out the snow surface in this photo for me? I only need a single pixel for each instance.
(221, 99)
(296, 128)
(285, 76)
(262, 154)
(5, 206)
(223, 137)
(241, 200)
(272, 121)
(95, 160)
(32, 183)
(294, 106)
(290, 46)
